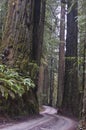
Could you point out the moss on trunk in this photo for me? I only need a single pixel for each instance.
(16, 52)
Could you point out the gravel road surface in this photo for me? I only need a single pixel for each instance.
(49, 121)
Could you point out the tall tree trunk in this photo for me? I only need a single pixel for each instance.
(40, 84)
(38, 31)
(71, 90)
(61, 68)
(83, 54)
(46, 85)
(17, 36)
(36, 26)
(51, 83)
(84, 81)
(21, 43)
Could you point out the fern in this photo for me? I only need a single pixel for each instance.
(12, 83)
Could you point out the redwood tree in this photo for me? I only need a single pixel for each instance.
(71, 90)
(61, 68)
(21, 46)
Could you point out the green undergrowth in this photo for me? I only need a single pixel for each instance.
(13, 83)
(17, 95)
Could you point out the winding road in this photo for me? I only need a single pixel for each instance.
(49, 121)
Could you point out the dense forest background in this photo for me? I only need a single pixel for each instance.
(43, 56)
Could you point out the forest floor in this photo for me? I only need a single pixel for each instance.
(48, 120)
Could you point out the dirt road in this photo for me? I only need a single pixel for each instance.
(49, 121)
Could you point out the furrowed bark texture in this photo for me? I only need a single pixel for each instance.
(71, 90)
(21, 41)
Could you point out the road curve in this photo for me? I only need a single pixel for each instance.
(49, 121)
(63, 123)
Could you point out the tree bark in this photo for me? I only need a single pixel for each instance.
(71, 90)
(51, 83)
(61, 68)
(46, 85)
(20, 44)
(84, 81)
(38, 29)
